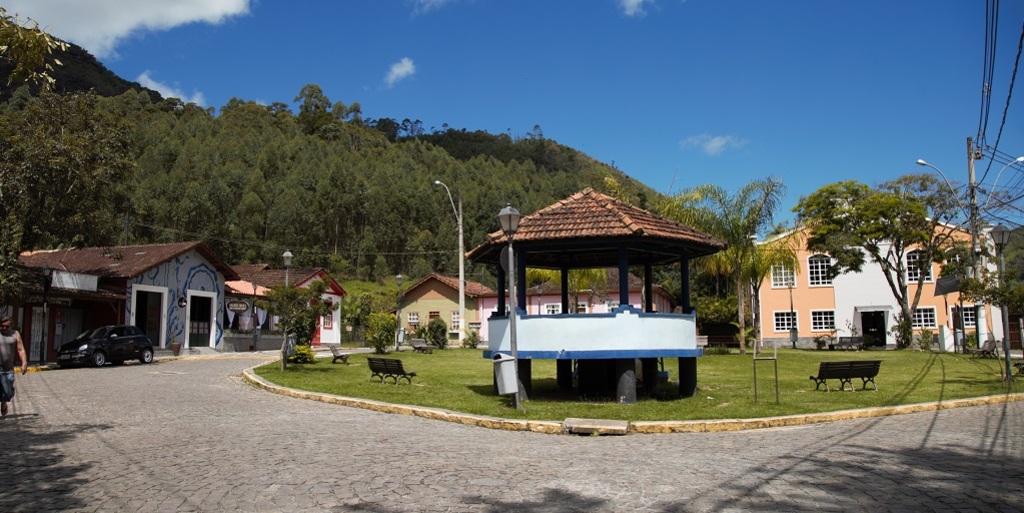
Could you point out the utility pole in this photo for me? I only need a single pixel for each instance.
(977, 261)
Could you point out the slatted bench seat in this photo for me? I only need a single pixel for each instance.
(420, 346)
(384, 368)
(845, 371)
(853, 343)
(338, 355)
(987, 350)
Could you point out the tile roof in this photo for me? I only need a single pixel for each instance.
(119, 261)
(588, 216)
(264, 276)
(473, 289)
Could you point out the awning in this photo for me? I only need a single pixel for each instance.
(244, 288)
(947, 284)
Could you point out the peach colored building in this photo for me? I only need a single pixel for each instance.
(859, 304)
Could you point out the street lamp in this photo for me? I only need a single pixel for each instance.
(287, 259)
(47, 282)
(462, 262)
(1000, 236)
(794, 333)
(956, 195)
(1017, 160)
(398, 332)
(509, 218)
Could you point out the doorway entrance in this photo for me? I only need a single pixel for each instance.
(873, 324)
(200, 321)
(148, 311)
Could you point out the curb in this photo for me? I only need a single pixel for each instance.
(635, 427)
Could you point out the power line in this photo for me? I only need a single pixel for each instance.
(988, 65)
(1009, 96)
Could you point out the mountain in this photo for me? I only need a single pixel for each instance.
(80, 71)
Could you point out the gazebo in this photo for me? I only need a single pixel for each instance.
(594, 230)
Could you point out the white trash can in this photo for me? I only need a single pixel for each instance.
(505, 374)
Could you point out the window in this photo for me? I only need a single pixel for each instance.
(327, 321)
(823, 320)
(785, 321)
(915, 262)
(818, 267)
(970, 321)
(783, 276)
(412, 319)
(552, 308)
(581, 308)
(456, 322)
(474, 326)
(924, 317)
(433, 315)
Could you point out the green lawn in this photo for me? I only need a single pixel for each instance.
(460, 380)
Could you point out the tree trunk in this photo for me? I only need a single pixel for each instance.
(742, 314)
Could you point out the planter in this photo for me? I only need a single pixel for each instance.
(176, 348)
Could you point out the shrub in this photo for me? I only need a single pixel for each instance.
(924, 339)
(903, 331)
(437, 333)
(303, 354)
(380, 332)
(716, 349)
(472, 339)
(821, 341)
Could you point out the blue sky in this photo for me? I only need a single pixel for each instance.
(674, 93)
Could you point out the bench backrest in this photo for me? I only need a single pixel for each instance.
(386, 365)
(849, 369)
(335, 350)
(418, 342)
(989, 345)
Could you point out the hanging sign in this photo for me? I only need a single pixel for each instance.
(236, 305)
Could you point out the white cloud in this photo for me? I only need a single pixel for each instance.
(99, 25)
(170, 91)
(713, 145)
(400, 70)
(425, 6)
(634, 8)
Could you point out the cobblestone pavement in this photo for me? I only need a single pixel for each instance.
(190, 435)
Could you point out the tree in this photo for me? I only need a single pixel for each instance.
(28, 50)
(299, 309)
(851, 221)
(733, 218)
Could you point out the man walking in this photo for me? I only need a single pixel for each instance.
(10, 341)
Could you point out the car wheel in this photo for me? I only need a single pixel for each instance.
(98, 359)
(146, 356)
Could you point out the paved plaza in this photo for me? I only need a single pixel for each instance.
(192, 435)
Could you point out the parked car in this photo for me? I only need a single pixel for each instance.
(113, 344)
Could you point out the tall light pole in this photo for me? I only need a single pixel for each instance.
(287, 259)
(794, 332)
(462, 262)
(398, 319)
(1000, 236)
(509, 218)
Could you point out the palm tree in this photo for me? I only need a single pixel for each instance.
(779, 252)
(733, 218)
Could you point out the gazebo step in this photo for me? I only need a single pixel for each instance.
(596, 426)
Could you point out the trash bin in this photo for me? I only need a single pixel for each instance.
(505, 374)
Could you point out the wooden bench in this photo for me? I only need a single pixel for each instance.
(385, 368)
(852, 343)
(987, 350)
(338, 355)
(420, 346)
(845, 371)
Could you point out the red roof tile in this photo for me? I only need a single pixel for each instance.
(119, 261)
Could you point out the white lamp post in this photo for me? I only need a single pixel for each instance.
(462, 262)
(509, 218)
(287, 259)
(1017, 160)
(398, 320)
(1000, 236)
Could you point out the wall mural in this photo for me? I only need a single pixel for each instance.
(188, 271)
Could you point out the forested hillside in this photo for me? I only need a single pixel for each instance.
(351, 194)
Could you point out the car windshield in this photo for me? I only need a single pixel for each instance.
(93, 334)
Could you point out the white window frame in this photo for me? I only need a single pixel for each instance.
(456, 322)
(914, 268)
(819, 324)
(783, 323)
(581, 307)
(412, 318)
(816, 275)
(552, 308)
(921, 317)
(783, 276)
(970, 316)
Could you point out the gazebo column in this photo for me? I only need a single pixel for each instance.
(563, 369)
(623, 277)
(501, 291)
(565, 288)
(649, 368)
(687, 376)
(648, 289)
(684, 275)
(625, 373)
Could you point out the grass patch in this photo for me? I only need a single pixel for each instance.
(460, 380)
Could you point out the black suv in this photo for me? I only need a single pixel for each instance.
(113, 344)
